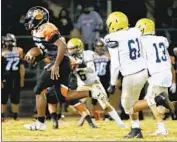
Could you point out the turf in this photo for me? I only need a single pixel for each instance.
(68, 131)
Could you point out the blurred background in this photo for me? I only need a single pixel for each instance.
(163, 12)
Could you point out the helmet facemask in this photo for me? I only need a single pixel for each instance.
(9, 41)
(74, 51)
(35, 17)
(99, 47)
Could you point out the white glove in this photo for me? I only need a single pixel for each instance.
(173, 88)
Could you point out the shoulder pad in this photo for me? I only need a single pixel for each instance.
(48, 30)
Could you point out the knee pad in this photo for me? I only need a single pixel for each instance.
(160, 99)
(94, 101)
(51, 95)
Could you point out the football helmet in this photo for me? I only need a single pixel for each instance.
(75, 47)
(146, 26)
(9, 40)
(116, 21)
(99, 46)
(35, 17)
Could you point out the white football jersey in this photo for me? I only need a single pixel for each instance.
(158, 60)
(87, 75)
(126, 52)
(156, 53)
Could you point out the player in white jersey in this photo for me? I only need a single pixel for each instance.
(87, 78)
(159, 67)
(126, 56)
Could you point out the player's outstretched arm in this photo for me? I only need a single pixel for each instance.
(114, 69)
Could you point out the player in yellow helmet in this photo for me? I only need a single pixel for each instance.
(126, 57)
(159, 67)
(117, 21)
(146, 26)
(87, 78)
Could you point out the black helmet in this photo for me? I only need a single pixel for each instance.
(35, 17)
(99, 46)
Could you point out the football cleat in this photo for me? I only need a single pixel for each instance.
(134, 133)
(162, 132)
(35, 126)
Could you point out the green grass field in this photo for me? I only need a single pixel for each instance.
(68, 131)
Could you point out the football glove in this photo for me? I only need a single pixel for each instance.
(111, 89)
(173, 88)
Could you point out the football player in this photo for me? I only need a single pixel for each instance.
(126, 56)
(159, 67)
(48, 39)
(86, 75)
(13, 73)
(102, 67)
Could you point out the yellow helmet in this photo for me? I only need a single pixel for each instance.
(75, 46)
(146, 26)
(117, 21)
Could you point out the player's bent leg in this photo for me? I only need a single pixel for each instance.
(85, 115)
(101, 96)
(74, 94)
(154, 100)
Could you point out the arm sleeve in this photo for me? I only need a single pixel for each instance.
(114, 65)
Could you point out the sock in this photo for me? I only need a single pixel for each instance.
(2, 115)
(54, 115)
(160, 126)
(135, 124)
(41, 119)
(106, 116)
(59, 116)
(116, 117)
(15, 115)
(88, 119)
